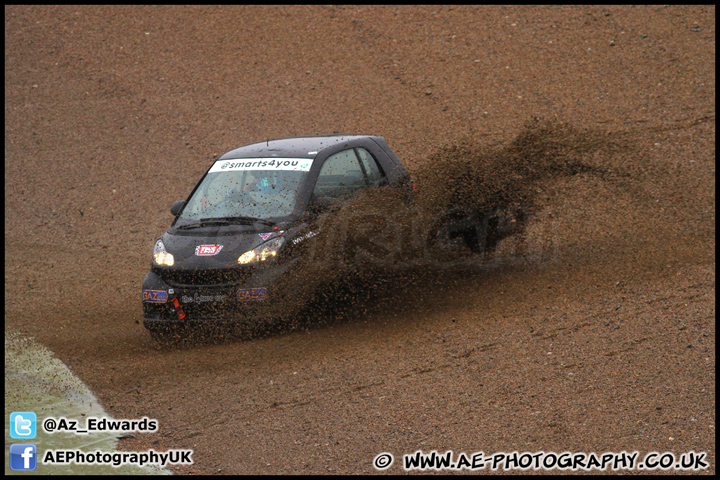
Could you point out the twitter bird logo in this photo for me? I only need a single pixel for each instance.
(23, 425)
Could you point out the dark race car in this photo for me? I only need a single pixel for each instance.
(251, 218)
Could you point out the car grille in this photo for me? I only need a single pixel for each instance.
(205, 277)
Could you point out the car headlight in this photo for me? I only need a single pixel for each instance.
(262, 252)
(161, 256)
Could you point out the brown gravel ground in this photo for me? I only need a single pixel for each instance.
(606, 343)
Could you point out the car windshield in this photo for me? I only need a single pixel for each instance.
(246, 189)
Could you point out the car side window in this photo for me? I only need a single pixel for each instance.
(340, 176)
(371, 167)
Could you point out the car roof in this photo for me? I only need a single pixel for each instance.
(293, 147)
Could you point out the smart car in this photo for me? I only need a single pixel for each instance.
(244, 224)
(236, 245)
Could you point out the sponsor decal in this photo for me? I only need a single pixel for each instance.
(304, 237)
(295, 164)
(207, 249)
(265, 236)
(155, 296)
(252, 294)
(197, 298)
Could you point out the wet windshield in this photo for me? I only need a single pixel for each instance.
(250, 188)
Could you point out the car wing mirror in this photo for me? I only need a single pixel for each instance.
(176, 207)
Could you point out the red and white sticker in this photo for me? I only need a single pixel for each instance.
(207, 249)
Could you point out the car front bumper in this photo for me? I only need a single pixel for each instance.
(166, 305)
